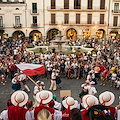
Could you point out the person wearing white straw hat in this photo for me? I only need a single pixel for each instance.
(17, 111)
(69, 103)
(107, 98)
(92, 90)
(22, 78)
(88, 101)
(16, 83)
(44, 97)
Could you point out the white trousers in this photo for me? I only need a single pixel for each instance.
(53, 85)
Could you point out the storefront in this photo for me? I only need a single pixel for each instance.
(35, 35)
(71, 34)
(19, 35)
(87, 34)
(52, 33)
(100, 34)
(114, 34)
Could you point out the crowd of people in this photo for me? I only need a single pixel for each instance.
(103, 66)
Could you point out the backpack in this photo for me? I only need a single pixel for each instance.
(99, 112)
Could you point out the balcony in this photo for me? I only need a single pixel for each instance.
(17, 26)
(11, 1)
(115, 27)
(102, 24)
(34, 25)
(53, 23)
(34, 12)
(116, 11)
(83, 9)
(78, 24)
(2, 26)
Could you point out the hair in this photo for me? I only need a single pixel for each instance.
(44, 115)
(29, 104)
(76, 114)
(9, 103)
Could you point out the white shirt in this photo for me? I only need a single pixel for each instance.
(4, 115)
(36, 90)
(92, 90)
(53, 76)
(49, 67)
(114, 76)
(15, 52)
(14, 81)
(22, 77)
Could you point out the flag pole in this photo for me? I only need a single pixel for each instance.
(33, 81)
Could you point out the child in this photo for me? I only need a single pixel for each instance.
(3, 79)
(42, 86)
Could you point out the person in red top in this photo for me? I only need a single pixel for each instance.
(12, 68)
(107, 98)
(102, 67)
(69, 103)
(104, 77)
(17, 111)
(44, 97)
(88, 101)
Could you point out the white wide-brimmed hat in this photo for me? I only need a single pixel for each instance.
(19, 98)
(106, 98)
(38, 82)
(89, 101)
(70, 102)
(92, 83)
(44, 96)
(16, 74)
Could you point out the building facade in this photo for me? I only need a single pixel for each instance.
(114, 19)
(40, 19)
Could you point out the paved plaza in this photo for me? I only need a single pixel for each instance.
(71, 84)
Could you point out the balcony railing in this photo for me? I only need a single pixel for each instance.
(2, 26)
(34, 25)
(34, 11)
(17, 26)
(114, 27)
(53, 23)
(81, 23)
(12, 1)
(116, 11)
(83, 8)
(100, 23)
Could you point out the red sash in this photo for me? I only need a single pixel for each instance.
(15, 113)
(37, 109)
(83, 115)
(112, 111)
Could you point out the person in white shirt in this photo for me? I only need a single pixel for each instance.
(92, 90)
(53, 80)
(36, 90)
(113, 79)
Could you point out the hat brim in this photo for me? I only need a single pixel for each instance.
(71, 107)
(84, 100)
(22, 103)
(109, 102)
(44, 101)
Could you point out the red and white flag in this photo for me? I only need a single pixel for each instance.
(31, 69)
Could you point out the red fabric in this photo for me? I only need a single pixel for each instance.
(112, 111)
(102, 68)
(83, 115)
(37, 71)
(65, 115)
(12, 67)
(37, 109)
(16, 115)
(105, 73)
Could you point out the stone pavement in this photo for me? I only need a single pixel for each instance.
(71, 84)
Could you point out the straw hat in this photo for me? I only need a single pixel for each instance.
(92, 83)
(106, 98)
(89, 101)
(44, 96)
(19, 98)
(69, 101)
(38, 82)
(16, 74)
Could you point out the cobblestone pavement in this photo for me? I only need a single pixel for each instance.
(71, 84)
